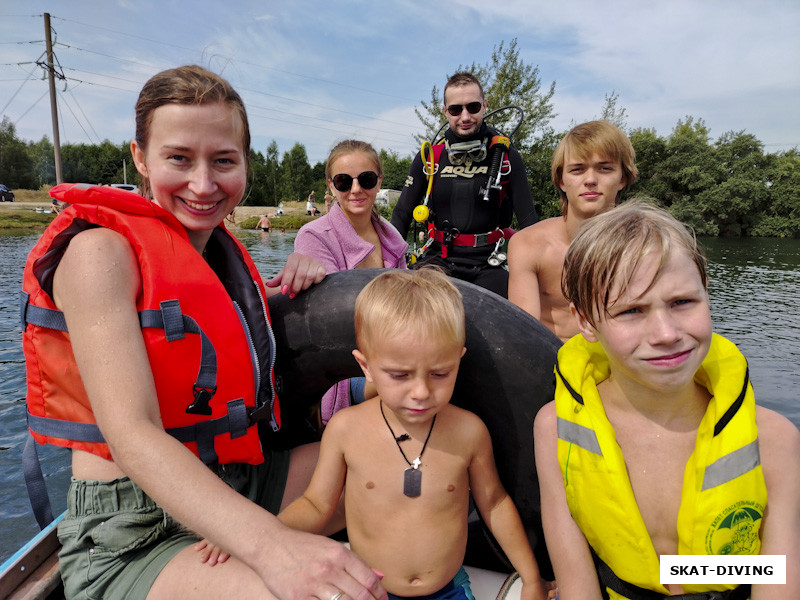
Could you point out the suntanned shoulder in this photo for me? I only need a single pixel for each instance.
(346, 419)
(778, 437)
(98, 255)
(460, 425)
(541, 232)
(544, 422)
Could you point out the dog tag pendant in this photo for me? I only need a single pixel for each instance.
(412, 482)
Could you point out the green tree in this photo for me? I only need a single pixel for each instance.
(16, 166)
(296, 178)
(256, 190)
(395, 170)
(43, 162)
(272, 174)
(88, 163)
(781, 215)
(538, 158)
(318, 177)
(613, 113)
(506, 81)
(689, 164)
(651, 151)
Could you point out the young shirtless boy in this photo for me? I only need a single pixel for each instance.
(591, 166)
(654, 444)
(409, 458)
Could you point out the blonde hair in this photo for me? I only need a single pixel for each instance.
(189, 84)
(609, 248)
(595, 137)
(347, 147)
(398, 301)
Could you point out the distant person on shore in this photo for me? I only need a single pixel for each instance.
(407, 460)
(264, 224)
(329, 200)
(352, 235)
(591, 167)
(311, 204)
(55, 207)
(654, 445)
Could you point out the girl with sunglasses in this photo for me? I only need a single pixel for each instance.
(352, 235)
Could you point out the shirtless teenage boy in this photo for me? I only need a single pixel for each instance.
(593, 163)
(409, 458)
(654, 444)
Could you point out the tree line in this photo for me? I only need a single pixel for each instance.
(721, 187)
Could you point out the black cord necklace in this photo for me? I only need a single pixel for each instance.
(412, 477)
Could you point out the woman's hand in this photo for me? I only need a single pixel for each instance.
(312, 566)
(299, 273)
(210, 553)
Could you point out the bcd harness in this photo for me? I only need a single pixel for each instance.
(459, 153)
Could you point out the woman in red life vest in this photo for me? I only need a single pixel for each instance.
(168, 334)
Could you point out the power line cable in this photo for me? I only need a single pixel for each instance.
(88, 122)
(30, 75)
(74, 116)
(46, 92)
(251, 64)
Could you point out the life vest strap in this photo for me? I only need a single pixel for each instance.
(175, 325)
(608, 579)
(34, 482)
(733, 408)
(235, 422)
(169, 318)
(37, 315)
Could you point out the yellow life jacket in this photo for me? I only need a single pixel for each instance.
(724, 494)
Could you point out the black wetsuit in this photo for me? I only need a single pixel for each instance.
(457, 203)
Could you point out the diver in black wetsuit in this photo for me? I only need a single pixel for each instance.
(467, 228)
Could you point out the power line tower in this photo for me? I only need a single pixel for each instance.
(53, 105)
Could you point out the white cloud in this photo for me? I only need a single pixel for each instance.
(314, 72)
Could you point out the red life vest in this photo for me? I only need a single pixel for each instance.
(210, 345)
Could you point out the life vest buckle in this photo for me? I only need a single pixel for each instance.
(259, 413)
(202, 397)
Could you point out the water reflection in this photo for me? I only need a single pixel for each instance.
(754, 284)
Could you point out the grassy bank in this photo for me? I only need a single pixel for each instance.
(22, 213)
(24, 219)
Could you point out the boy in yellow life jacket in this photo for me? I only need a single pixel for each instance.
(654, 444)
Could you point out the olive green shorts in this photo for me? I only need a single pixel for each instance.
(115, 539)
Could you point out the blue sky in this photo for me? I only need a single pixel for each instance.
(317, 72)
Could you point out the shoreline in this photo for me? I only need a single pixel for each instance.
(25, 215)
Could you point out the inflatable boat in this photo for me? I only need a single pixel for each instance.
(505, 377)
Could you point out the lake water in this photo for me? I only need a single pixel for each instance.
(754, 285)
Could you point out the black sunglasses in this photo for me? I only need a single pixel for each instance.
(367, 180)
(473, 108)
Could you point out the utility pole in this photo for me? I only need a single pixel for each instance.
(53, 105)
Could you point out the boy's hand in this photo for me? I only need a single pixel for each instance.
(211, 554)
(539, 590)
